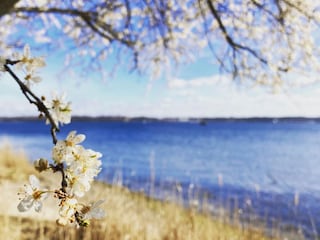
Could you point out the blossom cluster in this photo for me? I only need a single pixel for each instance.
(78, 166)
(82, 165)
(29, 65)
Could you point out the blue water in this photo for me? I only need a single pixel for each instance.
(259, 166)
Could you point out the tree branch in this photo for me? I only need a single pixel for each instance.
(89, 18)
(33, 99)
(6, 6)
(234, 45)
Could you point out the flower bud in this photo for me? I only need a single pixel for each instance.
(62, 221)
(41, 164)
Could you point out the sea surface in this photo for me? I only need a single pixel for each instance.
(266, 168)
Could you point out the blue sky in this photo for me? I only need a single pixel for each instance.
(195, 90)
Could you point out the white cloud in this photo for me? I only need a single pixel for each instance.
(215, 96)
(214, 80)
(219, 96)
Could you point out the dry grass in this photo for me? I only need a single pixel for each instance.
(14, 165)
(129, 215)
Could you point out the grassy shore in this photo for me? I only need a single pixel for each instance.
(129, 215)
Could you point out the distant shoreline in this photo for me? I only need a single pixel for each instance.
(202, 121)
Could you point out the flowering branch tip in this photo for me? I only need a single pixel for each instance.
(78, 166)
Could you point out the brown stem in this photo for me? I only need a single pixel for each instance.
(33, 99)
(60, 168)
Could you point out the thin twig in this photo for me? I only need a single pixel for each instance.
(33, 99)
(60, 168)
(235, 46)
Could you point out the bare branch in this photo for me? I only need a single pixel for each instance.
(90, 18)
(6, 6)
(234, 45)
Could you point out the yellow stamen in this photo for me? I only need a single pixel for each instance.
(37, 194)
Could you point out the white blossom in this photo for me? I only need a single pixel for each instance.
(33, 195)
(64, 148)
(67, 211)
(78, 184)
(93, 211)
(86, 161)
(31, 78)
(60, 109)
(30, 64)
(82, 170)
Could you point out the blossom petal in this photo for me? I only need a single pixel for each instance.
(98, 203)
(71, 135)
(79, 138)
(62, 221)
(37, 206)
(25, 204)
(96, 213)
(38, 62)
(74, 138)
(36, 79)
(26, 51)
(34, 182)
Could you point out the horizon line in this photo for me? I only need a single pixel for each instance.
(178, 119)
